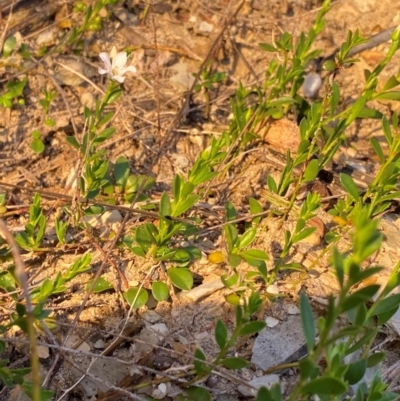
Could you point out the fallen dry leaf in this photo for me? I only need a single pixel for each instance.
(282, 135)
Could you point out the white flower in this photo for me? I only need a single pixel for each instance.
(115, 65)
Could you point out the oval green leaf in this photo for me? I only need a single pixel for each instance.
(325, 385)
(100, 286)
(234, 363)
(136, 297)
(199, 393)
(221, 334)
(311, 171)
(160, 290)
(356, 371)
(350, 186)
(180, 278)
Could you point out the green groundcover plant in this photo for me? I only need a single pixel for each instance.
(168, 237)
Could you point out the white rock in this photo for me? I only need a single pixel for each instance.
(160, 392)
(311, 85)
(151, 316)
(159, 328)
(271, 321)
(179, 161)
(293, 310)
(273, 289)
(42, 351)
(99, 344)
(47, 37)
(111, 217)
(262, 381)
(205, 28)
(282, 343)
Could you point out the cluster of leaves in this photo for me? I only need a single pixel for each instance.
(331, 380)
(244, 326)
(13, 93)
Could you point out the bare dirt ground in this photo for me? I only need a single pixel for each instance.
(161, 133)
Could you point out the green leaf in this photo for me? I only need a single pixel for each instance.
(193, 252)
(356, 109)
(176, 186)
(272, 185)
(247, 238)
(230, 212)
(221, 334)
(100, 286)
(356, 371)
(370, 114)
(383, 305)
(254, 254)
(235, 363)
(389, 95)
(112, 97)
(160, 290)
(324, 386)
(306, 232)
(37, 146)
(312, 170)
(231, 236)
(7, 281)
(252, 328)
(386, 130)
(9, 45)
(198, 365)
(267, 47)
(375, 359)
(165, 205)
(255, 206)
(229, 281)
(121, 171)
(104, 135)
(391, 83)
(182, 207)
(308, 369)
(180, 278)
(73, 141)
(136, 297)
(378, 149)
(349, 186)
(199, 393)
(105, 119)
(145, 236)
(360, 296)
(307, 321)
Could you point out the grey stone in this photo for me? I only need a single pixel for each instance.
(282, 343)
(262, 381)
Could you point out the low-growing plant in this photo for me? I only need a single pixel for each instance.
(168, 238)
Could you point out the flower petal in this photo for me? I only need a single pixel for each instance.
(113, 52)
(130, 68)
(119, 60)
(105, 58)
(102, 71)
(118, 78)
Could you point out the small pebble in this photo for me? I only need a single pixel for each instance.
(271, 321)
(311, 85)
(293, 310)
(99, 344)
